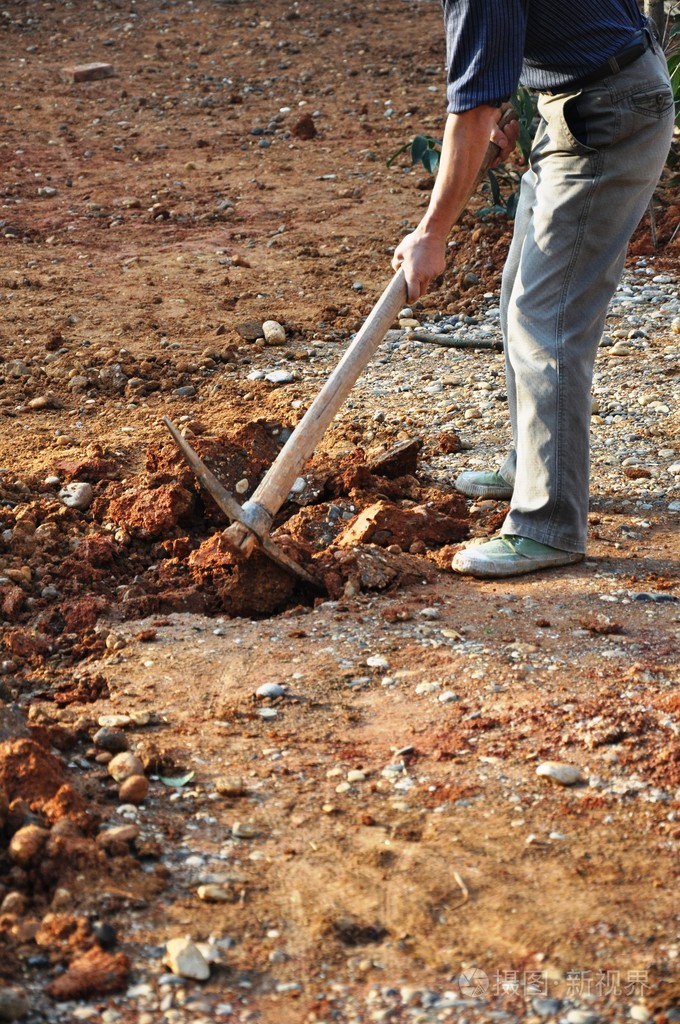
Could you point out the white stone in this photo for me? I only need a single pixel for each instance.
(241, 830)
(581, 1017)
(274, 332)
(559, 772)
(185, 960)
(114, 721)
(270, 690)
(378, 661)
(279, 377)
(77, 495)
(640, 1013)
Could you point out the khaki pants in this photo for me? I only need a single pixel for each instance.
(594, 165)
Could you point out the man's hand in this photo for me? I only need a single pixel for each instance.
(423, 256)
(506, 137)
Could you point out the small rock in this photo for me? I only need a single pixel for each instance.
(356, 776)
(241, 830)
(274, 332)
(640, 1013)
(268, 713)
(279, 377)
(270, 690)
(114, 721)
(125, 765)
(378, 661)
(582, 1017)
(230, 785)
(26, 844)
(185, 960)
(117, 835)
(134, 789)
(111, 740)
(217, 894)
(45, 402)
(304, 127)
(559, 772)
(546, 1007)
(77, 495)
(105, 934)
(13, 903)
(250, 331)
(14, 1004)
(87, 72)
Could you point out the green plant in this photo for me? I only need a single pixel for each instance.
(672, 50)
(503, 182)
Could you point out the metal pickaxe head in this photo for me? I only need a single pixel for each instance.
(250, 522)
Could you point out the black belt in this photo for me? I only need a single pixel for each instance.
(630, 52)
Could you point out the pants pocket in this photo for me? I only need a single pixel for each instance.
(654, 103)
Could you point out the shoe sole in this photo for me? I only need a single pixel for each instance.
(482, 490)
(500, 570)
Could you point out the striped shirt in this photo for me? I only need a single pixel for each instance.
(492, 45)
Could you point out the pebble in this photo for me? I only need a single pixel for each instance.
(230, 785)
(242, 830)
(125, 765)
(77, 495)
(212, 893)
(118, 834)
(105, 934)
(111, 740)
(378, 661)
(279, 377)
(14, 1004)
(640, 1013)
(448, 697)
(559, 772)
(26, 844)
(185, 960)
(114, 721)
(270, 690)
(582, 1017)
(268, 713)
(274, 332)
(134, 789)
(546, 1007)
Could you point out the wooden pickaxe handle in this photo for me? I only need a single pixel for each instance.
(258, 512)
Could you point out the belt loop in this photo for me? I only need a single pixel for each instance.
(650, 30)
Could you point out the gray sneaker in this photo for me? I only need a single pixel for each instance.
(509, 555)
(483, 485)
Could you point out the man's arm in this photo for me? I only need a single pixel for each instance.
(422, 253)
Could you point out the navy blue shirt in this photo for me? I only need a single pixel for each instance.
(492, 45)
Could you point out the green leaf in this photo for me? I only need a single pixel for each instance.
(419, 148)
(178, 781)
(430, 160)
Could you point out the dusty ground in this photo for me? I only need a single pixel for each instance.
(147, 218)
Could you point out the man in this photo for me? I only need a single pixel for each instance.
(606, 111)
